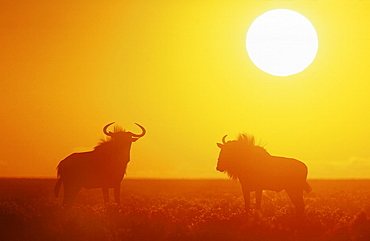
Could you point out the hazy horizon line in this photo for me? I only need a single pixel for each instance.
(180, 178)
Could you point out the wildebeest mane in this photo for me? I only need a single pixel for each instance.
(107, 141)
(245, 144)
(247, 140)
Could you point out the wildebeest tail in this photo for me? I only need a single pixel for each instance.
(307, 187)
(59, 182)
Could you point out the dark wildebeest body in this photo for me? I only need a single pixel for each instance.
(257, 170)
(104, 167)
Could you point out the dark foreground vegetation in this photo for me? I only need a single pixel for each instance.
(183, 210)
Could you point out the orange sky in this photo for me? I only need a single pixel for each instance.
(179, 68)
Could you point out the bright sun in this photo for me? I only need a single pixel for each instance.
(282, 42)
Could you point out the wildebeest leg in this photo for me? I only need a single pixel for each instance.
(296, 196)
(247, 199)
(258, 198)
(105, 191)
(117, 190)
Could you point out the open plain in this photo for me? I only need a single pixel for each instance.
(183, 210)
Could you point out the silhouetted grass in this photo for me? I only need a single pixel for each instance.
(183, 210)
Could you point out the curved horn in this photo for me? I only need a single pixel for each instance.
(142, 129)
(105, 129)
(223, 139)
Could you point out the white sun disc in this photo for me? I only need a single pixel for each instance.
(282, 42)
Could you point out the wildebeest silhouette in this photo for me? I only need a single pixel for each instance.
(104, 167)
(257, 170)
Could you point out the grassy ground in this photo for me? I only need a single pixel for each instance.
(183, 210)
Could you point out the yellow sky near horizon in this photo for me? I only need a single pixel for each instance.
(180, 69)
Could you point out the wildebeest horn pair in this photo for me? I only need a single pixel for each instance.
(224, 139)
(134, 135)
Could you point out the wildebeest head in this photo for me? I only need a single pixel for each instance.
(121, 135)
(230, 155)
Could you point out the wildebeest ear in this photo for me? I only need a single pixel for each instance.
(220, 145)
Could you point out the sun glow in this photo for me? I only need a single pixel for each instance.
(182, 70)
(282, 42)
